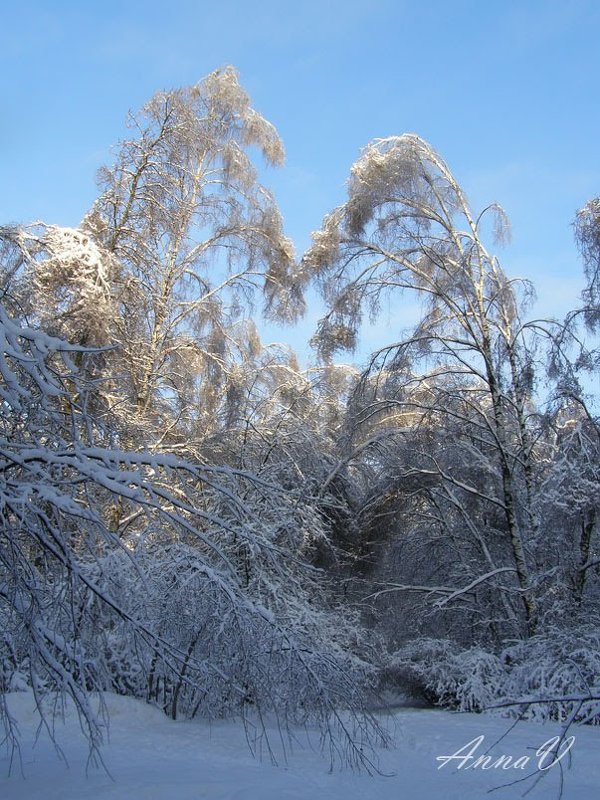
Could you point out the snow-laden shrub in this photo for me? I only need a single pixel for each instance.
(465, 680)
(223, 653)
(553, 675)
(560, 667)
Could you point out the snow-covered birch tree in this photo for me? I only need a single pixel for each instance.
(181, 244)
(462, 378)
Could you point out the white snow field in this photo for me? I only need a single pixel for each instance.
(150, 757)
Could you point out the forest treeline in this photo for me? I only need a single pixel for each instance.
(189, 517)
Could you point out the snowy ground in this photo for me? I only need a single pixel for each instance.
(149, 756)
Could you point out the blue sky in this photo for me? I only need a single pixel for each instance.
(506, 91)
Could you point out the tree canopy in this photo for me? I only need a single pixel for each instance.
(190, 517)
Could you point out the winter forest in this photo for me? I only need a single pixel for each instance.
(191, 518)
